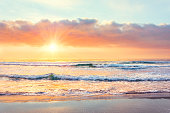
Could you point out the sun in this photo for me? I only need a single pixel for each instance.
(52, 47)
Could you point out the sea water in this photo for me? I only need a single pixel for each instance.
(84, 78)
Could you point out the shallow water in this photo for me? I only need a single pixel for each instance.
(90, 106)
(84, 78)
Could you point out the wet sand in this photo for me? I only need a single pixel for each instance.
(90, 106)
(46, 98)
(129, 103)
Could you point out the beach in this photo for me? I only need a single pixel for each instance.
(117, 105)
(129, 103)
(47, 98)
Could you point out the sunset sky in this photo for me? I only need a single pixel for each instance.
(84, 30)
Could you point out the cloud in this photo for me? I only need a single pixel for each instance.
(85, 33)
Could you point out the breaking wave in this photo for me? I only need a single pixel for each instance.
(128, 65)
(77, 92)
(52, 76)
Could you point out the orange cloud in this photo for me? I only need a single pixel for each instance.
(85, 33)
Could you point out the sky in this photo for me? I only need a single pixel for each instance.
(84, 29)
(121, 11)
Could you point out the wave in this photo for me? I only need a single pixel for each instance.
(130, 65)
(145, 92)
(125, 66)
(145, 62)
(48, 64)
(79, 92)
(20, 93)
(52, 76)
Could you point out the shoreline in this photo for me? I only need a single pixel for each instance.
(46, 98)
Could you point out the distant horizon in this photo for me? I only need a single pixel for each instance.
(77, 60)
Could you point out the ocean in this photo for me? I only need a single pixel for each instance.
(85, 78)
